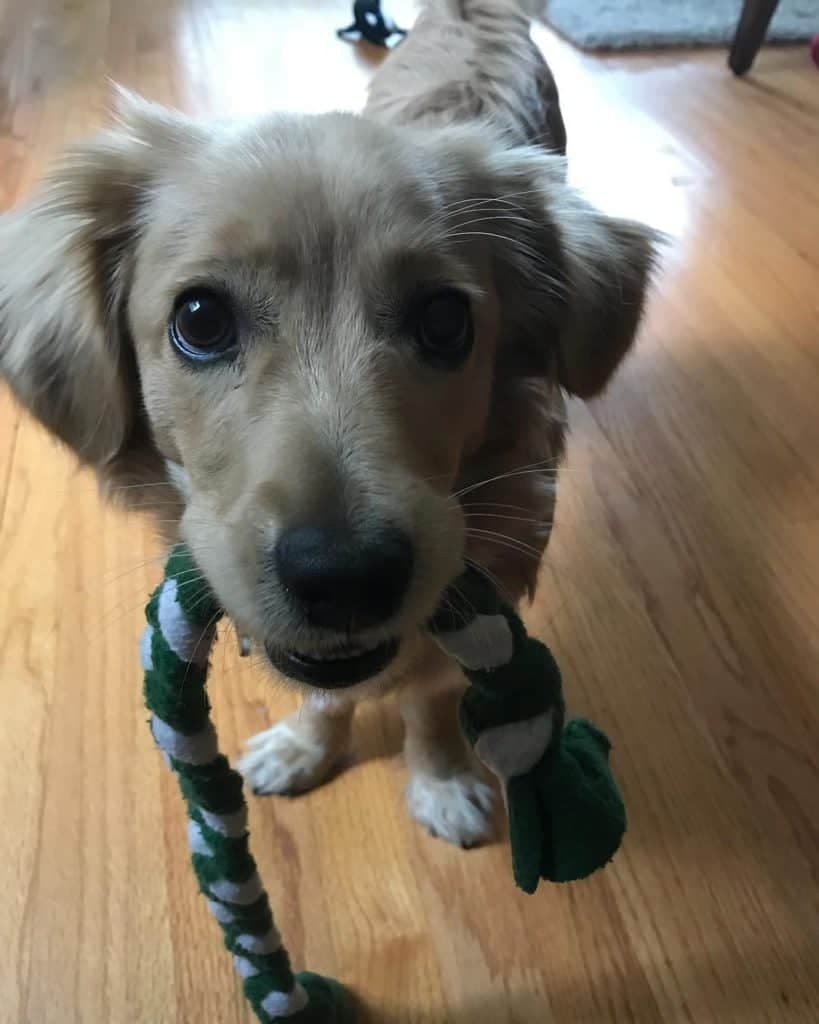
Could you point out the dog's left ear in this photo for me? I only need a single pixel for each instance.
(571, 280)
(606, 266)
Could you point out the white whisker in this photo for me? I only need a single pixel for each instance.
(475, 531)
(523, 471)
(516, 519)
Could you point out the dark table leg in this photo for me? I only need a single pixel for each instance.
(753, 24)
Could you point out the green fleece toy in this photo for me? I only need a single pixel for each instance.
(566, 817)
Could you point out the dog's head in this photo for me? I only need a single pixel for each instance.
(301, 323)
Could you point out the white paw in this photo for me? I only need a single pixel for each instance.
(458, 809)
(279, 760)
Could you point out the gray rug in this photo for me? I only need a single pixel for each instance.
(646, 24)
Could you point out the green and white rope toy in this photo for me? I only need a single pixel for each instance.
(566, 816)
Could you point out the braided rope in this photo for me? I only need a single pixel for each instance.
(182, 619)
(511, 722)
(566, 816)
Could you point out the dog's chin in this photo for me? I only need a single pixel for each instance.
(343, 667)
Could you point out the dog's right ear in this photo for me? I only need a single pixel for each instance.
(64, 259)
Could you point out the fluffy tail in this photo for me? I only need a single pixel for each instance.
(488, 17)
(469, 61)
(498, 29)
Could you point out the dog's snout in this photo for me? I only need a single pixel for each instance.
(343, 581)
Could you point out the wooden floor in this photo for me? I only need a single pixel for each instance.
(681, 594)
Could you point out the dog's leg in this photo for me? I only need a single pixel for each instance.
(302, 750)
(445, 792)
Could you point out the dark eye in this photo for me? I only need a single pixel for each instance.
(203, 327)
(444, 327)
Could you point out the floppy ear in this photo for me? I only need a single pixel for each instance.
(64, 264)
(572, 280)
(607, 263)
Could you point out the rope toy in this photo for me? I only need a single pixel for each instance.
(566, 816)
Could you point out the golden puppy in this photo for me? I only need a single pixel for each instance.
(337, 345)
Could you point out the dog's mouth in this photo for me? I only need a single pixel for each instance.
(344, 666)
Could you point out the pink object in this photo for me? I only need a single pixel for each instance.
(814, 50)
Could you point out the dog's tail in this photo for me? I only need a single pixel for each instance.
(468, 61)
(499, 30)
(490, 18)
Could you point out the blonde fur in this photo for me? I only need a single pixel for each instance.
(318, 228)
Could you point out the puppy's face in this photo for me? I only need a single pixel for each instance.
(316, 355)
(304, 321)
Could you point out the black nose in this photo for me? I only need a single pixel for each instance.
(343, 581)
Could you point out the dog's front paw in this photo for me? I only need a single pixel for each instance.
(458, 808)
(284, 761)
